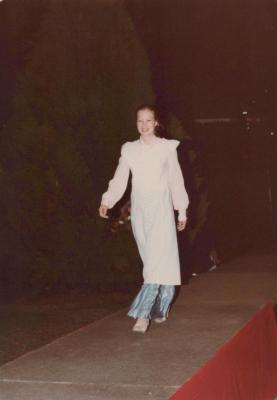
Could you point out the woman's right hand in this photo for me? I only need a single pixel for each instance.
(103, 210)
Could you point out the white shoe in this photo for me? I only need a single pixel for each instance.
(159, 320)
(141, 325)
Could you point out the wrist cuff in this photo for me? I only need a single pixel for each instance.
(182, 215)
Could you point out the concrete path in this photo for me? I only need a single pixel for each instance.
(105, 360)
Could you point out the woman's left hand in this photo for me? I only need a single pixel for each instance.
(181, 225)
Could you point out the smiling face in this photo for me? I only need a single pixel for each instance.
(146, 122)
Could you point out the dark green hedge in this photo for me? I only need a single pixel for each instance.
(83, 75)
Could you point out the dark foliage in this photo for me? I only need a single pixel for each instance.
(83, 76)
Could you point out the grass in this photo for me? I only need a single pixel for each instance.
(27, 324)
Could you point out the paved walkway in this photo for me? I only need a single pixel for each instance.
(106, 361)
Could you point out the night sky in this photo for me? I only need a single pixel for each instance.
(211, 58)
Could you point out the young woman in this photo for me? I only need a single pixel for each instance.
(157, 188)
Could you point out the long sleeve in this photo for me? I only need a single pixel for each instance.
(118, 184)
(176, 181)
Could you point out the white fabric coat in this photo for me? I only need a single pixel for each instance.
(157, 187)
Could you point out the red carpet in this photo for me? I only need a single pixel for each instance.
(245, 368)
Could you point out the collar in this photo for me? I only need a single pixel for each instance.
(155, 140)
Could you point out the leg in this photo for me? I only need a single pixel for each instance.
(143, 303)
(142, 306)
(164, 299)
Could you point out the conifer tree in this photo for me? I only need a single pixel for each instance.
(74, 107)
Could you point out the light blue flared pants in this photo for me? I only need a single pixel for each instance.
(153, 301)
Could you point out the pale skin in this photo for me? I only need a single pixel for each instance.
(146, 124)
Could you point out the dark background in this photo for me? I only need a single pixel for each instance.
(215, 60)
(72, 72)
